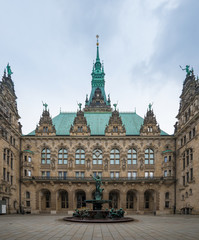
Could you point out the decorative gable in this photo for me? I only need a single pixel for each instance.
(150, 126)
(80, 127)
(45, 126)
(115, 126)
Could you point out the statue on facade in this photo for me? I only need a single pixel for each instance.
(45, 106)
(9, 70)
(150, 106)
(188, 71)
(80, 106)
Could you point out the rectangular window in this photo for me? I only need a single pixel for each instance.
(48, 174)
(27, 203)
(134, 174)
(29, 159)
(185, 139)
(151, 174)
(4, 174)
(43, 173)
(117, 174)
(129, 175)
(183, 163)
(29, 173)
(169, 172)
(146, 174)
(8, 176)
(183, 180)
(65, 175)
(25, 172)
(191, 174)
(169, 158)
(189, 135)
(194, 132)
(166, 204)
(165, 173)
(82, 174)
(112, 174)
(60, 174)
(165, 159)
(11, 163)
(25, 158)
(187, 177)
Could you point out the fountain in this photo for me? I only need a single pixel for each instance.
(97, 214)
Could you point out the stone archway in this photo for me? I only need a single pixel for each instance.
(62, 200)
(45, 200)
(80, 199)
(131, 200)
(114, 197)
(149, 201)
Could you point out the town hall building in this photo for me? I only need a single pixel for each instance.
(143, 169)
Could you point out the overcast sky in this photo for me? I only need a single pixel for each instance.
(51, 45)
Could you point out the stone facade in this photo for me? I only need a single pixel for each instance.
(146, 172)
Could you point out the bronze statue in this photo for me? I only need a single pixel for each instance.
(9, 70)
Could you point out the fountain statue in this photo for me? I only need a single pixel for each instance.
(97, 214)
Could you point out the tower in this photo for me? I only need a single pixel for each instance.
(97, 101)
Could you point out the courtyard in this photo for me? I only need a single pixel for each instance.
(146, 227)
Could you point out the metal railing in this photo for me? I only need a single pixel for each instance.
(104, 179)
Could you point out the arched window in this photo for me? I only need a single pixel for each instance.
(149, 156)
(80, 156)
(97, 156)
(132, 156)
(45, 156)
(62, 156)
(115, 156)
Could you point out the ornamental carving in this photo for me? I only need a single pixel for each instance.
(115, 126)
(45, 126)
(80, 127)
(150, 126)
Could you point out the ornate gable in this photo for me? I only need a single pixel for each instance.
(115, 126)
(45, 126)
(150, 126)
(80, 127)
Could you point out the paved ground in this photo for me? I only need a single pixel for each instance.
(53, 227)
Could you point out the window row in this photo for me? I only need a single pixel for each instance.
(192, 134)
(7, 176)
(188, 177)
(97, 156)
(187, 157)
(8, 157)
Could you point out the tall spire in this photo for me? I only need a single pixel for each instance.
(97, 57)
(97, 100)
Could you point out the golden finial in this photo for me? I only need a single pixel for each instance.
(97, 36)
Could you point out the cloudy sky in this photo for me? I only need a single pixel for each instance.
(51, 45)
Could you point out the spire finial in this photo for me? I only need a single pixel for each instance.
(97, 36)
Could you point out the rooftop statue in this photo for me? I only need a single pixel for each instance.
(80, 106)
(9, 70)
(188, 71)
(115, 105)
(150, 106)
(45, 106)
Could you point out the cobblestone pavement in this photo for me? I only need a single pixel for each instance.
(53, 227)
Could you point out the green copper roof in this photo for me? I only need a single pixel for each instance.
(98, 78)
(98, 122)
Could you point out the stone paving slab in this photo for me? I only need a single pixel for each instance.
(44, 227)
